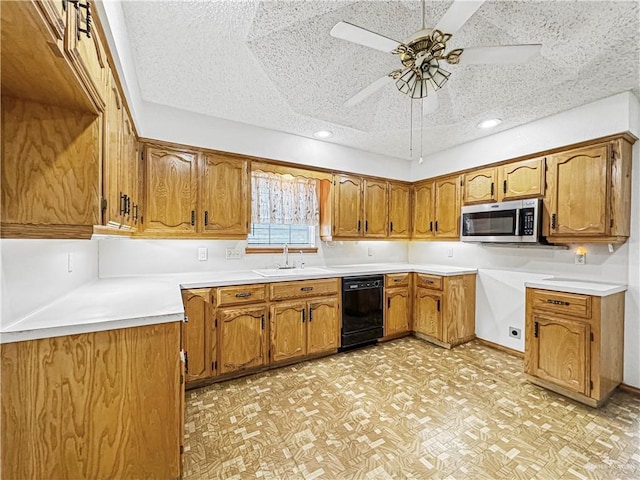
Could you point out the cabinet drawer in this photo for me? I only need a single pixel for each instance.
(303, 288)
(561, 302)
(241, 294)
(397, 280)
(429, 281)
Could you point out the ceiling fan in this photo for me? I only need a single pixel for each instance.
(423, 53)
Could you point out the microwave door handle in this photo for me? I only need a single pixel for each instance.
(517, 222)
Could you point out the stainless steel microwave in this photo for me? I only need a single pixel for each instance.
(506, 222)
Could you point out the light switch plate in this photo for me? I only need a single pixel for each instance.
(203, 254)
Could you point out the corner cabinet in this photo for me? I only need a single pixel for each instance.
(195, 193)
(436, 209)
(399, 210)
(574, 343)
(589, 194)
(444, 308)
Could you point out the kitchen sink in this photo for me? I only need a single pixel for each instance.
(292, 272)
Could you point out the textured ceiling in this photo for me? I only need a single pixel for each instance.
(274, 64)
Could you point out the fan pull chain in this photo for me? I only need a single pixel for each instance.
(411, 130)
(423, 20)
(421, 122)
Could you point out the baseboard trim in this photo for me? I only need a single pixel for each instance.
(502, 348)
(629, 389)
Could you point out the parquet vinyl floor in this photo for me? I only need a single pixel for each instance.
(406, 410)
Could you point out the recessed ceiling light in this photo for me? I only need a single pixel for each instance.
(323, 134)
(492, 122)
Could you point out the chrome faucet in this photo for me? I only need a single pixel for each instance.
(285, 251)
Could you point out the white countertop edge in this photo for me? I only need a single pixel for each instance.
(60, 331)
(576, 286)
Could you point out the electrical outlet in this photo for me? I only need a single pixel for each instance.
(580, 259)
(370, 251)
(515, 332)
(69, 263)
(233, 254)
(450, 253)
(203, 254)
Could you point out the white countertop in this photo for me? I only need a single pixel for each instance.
(123, 302)
(577, 286)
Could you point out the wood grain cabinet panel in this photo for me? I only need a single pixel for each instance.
(347, 206)
(399, 210)
(398, 313)
(288, 331)
(172, 182)
(480, 186)
(112, 185)
(95, 405)
(199, 334)
(242, 339)
(574, 343)
(436, 209)
(444, 308)
(128, 172)
(55, 12)
(375, 208)
(323, 328)
(523, 179)
(224, 194)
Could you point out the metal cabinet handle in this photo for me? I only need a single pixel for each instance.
(306, 289)
(428, 281)
(243, 295)
(492, 189)
(366, 225)
(310, 314)
(88, 21)
(262, 321)
(358, 225)
(391, 226)
(431, 226)
(302, 312)
(536, 329)
(135, 212)
(206, 218)
(558, 302)
(553, 221)
(438, 305)
(193, 217)
(504, 186)
(436, 225)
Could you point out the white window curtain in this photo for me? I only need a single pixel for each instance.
(284, 199)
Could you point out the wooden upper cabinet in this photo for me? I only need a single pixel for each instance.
(579, 188)
(375, 208)
(347, 206)
(423, 214)
(224, 195)
(55, 11)
(86, 51)
(172, 179)
(447, 208)
(480, 186)
(112, 190)
(523, 179)
(399, 210)
(128, 171)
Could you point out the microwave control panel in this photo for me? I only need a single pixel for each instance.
(527, 217)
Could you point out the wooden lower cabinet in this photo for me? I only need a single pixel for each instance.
(199, 334)
(307, 326)
(94, 405)
(574, 343)
(242, 339)
(444, 308)
(398, 312)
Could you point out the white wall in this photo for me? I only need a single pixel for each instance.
(35, 272)
(174, 125)
(148, 257)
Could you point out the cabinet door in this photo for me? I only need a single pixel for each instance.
(523, 179)
(480, 186)
(55, 11)
(288, 331)
(323, 328)
(427, 318)
(87, 51)
(423, 221)
(560, 352)
(375, 208)
(578, 190)
(242, 339)
(225, 197)
(398, 315)
(196, 333)
(399, 210)
(129, 171)
(112, 154)
(171, 179)
(447, 208)
(347, 219)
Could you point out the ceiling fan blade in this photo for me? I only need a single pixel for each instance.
(368, 90)
(457, 15)
(430, 103)
(501, 55)
(362, 36)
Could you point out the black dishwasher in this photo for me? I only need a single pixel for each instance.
(362, 301)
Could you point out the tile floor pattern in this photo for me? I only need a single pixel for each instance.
(406, 410)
